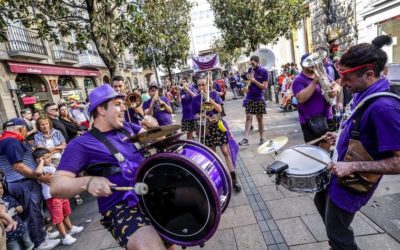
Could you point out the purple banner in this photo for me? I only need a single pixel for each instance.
(205, 62)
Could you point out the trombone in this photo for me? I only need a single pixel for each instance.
(205, 106)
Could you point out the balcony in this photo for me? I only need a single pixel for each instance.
(62, 54)
(25, 43)
(91, 59)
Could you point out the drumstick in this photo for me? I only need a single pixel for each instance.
(316, 140)
(311, 157)
(121, 188)
(139, 188)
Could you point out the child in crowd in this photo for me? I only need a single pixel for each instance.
(18, 239)
(59, 209)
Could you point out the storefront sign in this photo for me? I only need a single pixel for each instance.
(28, 100)
(41, 69)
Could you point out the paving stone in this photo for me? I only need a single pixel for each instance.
(255, 207)
(238, 199)
(270, 193)
(316, 226)
(289, 194)
(312, 246)
(262, 180)
(255, 169)
(249, 237)
(237, 216)
(277, 236)
(361, 227)
(222, 239)
(263, 226)
(271, 225)
(283, 246)
(269, 239)
(371, 223)
(266, 214)
(262, 205)
(99, 239)
(273, 247)
(251, 199)
(294, 231)
(377, 241)
(291, 207)
(258, 215)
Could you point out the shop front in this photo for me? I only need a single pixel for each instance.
(32, 91)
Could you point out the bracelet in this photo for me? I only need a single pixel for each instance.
(87, 185)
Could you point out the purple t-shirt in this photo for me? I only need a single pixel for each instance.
(197, 102)
(186, 101)
(255, 93)
(379, 134)
(162, 117)
(315, 105)
(86, 150)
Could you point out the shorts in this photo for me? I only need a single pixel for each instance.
(256, 107)
(122, 221)
(58, 209)
(189, 126)
(215, 137)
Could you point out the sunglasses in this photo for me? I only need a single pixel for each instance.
(201, 84)
(343, 73)
(54, 109)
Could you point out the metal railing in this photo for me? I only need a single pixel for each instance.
(61, 51)
(20, 39)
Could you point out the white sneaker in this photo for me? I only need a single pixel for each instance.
(68, 240)
(75, 230)
(48, 244)
(53, 235)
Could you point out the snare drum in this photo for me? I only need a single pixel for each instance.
(304, 174)
(189, 189)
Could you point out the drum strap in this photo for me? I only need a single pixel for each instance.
(101, 137)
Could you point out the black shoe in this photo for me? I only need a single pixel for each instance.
(236, 186)
(244, 142)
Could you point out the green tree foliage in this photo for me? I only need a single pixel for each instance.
(247, 24)
(227, 56)
(165, 33)
(110, 24)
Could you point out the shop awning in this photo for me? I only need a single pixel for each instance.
(41, 69)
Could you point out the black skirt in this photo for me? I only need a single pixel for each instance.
(215, 137)
(189, 126)
(256, 107)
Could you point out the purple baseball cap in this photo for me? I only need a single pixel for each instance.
(102, 94)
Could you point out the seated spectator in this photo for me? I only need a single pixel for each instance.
(72, 126)
(19, 238)
(59, 209)
(50, 138)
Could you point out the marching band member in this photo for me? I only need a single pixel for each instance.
(158, 106)
(254, 101)
(185, 97)
(214, 135)
(120, 213)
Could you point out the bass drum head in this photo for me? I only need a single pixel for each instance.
(181, 201)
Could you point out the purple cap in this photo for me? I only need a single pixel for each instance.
(14, 122)
(100, 95)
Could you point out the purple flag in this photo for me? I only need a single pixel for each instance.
(232, 144)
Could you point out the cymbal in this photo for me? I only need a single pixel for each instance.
(152, 134)
(164, 142)
(272, 145)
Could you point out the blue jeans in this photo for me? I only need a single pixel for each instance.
(15, 244)
(29, 193)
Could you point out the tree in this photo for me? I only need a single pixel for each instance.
(227, 56)
(247, 24)
(165, 33)
(110, 24)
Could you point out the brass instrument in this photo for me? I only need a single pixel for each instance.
(133, 100)
(161, 104)
(245, 89)
(206, 105)
(315, 60)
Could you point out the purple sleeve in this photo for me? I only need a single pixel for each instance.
(217, 98)
(265, 76)
(165, 99)
(135, 127)
(14, 151)
(73, 158)
(146, 104)
(297, 86)
(387, 129)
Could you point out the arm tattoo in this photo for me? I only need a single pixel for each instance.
(386, 166)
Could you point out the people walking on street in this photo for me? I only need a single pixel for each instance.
(185, 97)
(368, 142)
(254, 101)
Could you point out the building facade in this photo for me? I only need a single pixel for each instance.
(34, 72)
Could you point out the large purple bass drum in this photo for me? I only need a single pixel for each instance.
(189, 189)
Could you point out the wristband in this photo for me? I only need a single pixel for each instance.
(87, 185)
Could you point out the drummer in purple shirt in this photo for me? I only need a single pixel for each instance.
(215, 137)
(121, 215)
(378, 131)
(254, 101)
(185, 97)
(152, 106)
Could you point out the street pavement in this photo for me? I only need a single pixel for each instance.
(261, 216)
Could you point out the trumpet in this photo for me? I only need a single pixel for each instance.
(133, 100)
(161, 104)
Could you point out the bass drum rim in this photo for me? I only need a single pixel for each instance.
(228, 182)
(186, 162)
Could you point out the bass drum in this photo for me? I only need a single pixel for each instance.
(189, 189)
